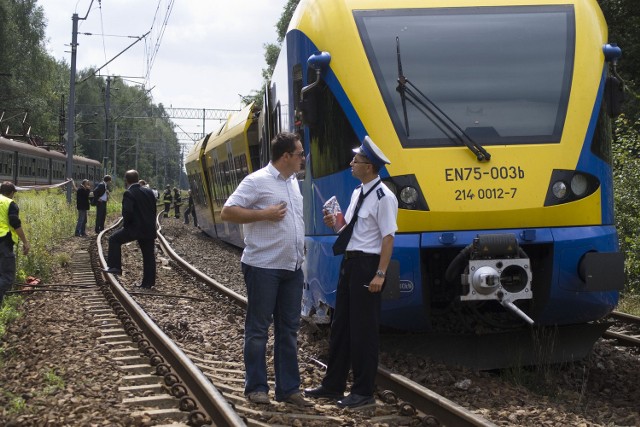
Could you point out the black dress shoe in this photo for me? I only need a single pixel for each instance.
(322, 393)
(355, 400)
(113, 270)
(141, 286)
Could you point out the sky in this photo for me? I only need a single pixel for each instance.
(209, 52)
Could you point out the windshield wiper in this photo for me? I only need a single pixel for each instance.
(409, 92)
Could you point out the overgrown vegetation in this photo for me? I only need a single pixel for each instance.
(627, 199)
(47, 220)
(9, 311)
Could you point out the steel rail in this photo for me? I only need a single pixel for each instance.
(208, 399)
(425, 400)
(447, 412)
(625, 339)
(235, 297)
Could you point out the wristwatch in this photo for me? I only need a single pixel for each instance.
(380, 273)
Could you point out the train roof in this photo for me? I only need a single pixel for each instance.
(194, 152)
(24, 147)
(235, 125)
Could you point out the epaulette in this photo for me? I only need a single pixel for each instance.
(380, 193)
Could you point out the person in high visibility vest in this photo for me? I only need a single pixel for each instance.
(10, 232)
(167, 198)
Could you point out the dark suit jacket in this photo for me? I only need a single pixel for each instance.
(99, 191)
(139, 212)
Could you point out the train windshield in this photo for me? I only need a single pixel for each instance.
(497, 75)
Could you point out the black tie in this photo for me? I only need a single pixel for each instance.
(340, 246)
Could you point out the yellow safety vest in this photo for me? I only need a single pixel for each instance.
(4, 219)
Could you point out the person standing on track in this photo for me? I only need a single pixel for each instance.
(177, 202)
(367, 243)
(10, 232)
(167, 198)
(139, 223)
(100, 197)
(82, 204)
(268, 203)
(191, 210)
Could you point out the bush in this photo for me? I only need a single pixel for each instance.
(626, 170)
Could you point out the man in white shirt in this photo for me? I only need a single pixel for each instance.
(101, 195)
(268, 203)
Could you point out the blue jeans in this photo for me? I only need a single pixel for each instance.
(272, 295)
(82, 223)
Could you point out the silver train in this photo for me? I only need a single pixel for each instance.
(25, 164)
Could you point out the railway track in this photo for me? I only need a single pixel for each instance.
(625, 329)
(396, 391)
(165, 393)
(149, 399)
(184, 385)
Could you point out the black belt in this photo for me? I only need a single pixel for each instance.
(357, 254)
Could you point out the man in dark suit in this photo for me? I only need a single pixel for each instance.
(100, 197)
(139, 223)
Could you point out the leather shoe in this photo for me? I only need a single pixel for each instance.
(322, 393)
(355, 400)
(113, 270)
(141, 286)
(297, 400)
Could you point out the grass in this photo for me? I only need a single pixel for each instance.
(9, 312)
(47, 219)
(630, 304)
(17, 404)
(54, 382)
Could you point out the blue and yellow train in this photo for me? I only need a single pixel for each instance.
(496, 116)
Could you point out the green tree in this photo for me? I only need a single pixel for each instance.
(623, 20)
(28, 75)
(271, 52)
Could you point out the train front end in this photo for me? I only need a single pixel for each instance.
(496, 117)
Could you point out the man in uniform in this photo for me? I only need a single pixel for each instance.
(367, 243)
(10, 232)
(167, 198)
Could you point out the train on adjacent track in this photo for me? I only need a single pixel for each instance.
(496, 116)
(25, 164)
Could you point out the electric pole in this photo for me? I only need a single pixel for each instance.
(71, 111)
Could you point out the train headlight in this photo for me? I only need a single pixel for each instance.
(566, 186)
(407, 191)
(559, 190)
(409, 195)
(579, 185)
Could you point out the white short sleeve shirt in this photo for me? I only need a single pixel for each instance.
(271, 244)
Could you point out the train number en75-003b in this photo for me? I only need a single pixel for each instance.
(477, 174)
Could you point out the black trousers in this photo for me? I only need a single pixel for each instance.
(114, 258)
(355, 341)
(101, 216)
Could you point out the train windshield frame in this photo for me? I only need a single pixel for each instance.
(501, 75)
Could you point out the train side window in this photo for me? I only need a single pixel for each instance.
(331, 136)
(602, 136)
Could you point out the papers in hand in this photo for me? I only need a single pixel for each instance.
(332, 207)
